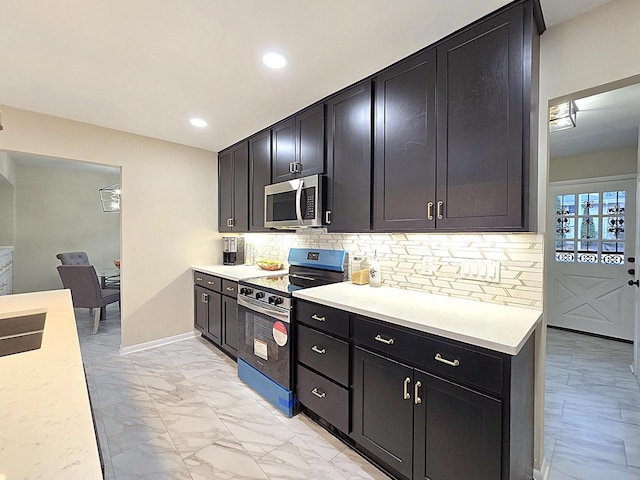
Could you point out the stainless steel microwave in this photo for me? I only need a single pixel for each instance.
(297, 203)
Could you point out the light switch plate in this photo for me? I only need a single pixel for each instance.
(427, 265)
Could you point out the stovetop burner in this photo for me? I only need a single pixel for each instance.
(275, 283)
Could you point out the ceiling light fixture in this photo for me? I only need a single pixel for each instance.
(110, 198)
(274, 60)
(198, 122)
(562, 116)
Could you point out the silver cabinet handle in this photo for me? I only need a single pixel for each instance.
(318, 393)
(291, 167)
(317, 350)
(380, 338)
(454, 363)
(440, 203)
(230, 289)
(319, 319)
(199, 279)
(406, 395)
(416, 393)
(327, 220)
(430, 211)
(211, 283)
(205, 298)
(232, 222)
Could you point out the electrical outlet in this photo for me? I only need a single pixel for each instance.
(427, 265)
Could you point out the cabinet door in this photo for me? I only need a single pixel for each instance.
(201, 309)
(284, 150)
(240, 188)
(349, 160)
(382, 413)
(405, 146)
(225, 190)
(310, 140)
(480, 119)
(230, 325)
(214, 319)
(458, 432)
(259, 177)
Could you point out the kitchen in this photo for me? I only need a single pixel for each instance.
(163, 265)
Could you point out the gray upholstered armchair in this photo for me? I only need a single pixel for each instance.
(83, 282)
(73, 258)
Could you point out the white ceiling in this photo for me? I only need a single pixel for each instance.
(606, 121)
(146, 66)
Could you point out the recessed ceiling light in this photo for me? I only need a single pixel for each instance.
(198, 122)
(274, 60)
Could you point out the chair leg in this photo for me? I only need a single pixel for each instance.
(103, 313)
(96, 320)
(91, 310)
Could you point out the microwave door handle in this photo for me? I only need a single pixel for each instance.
(298, 200)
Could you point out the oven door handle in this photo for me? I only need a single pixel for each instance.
(301, 277)
(298, 200)
(273, 312)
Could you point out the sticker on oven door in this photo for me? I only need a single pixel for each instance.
(260, 349)
(280, 334)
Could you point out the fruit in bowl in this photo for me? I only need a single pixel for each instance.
(117, 263)
(265, 264)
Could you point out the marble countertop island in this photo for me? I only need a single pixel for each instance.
(46, 425)
(496, 327)
(237, 272)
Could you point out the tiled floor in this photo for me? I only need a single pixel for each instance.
(180, 412)
(592, 409)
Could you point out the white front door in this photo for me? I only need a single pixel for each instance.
(590, 237)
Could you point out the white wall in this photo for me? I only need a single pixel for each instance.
(168, 219)
(593, 165)
(594, 49)
(57, 209)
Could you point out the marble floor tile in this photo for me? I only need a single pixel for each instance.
(632, 452)
(192, 426)
(170, 388)
(354, 467)
(317, 438)
(155, 459)
(225, 459)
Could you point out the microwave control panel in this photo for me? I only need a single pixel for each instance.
(310, 204)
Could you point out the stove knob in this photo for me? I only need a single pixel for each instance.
(247, 291)
(272, 300)
(277, 300)
(259, 295)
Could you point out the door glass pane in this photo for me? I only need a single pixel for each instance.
(566, 204)
(565, 227)
(589, 203)
(565, 251)
(588, 227)
(613, 203)
(612, 253)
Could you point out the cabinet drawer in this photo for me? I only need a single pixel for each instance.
(441, 356)
(229, 288)
(323, 397)
(324, 354)
(327, 319)
(207, 281)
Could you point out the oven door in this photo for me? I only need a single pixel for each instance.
(264, 339)
(294, 204)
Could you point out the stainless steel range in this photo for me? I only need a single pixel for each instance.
(265, 312)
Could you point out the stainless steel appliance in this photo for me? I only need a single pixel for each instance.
(233, 251)
(297, 203)
(265, 313)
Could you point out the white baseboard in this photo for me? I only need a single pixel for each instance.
(157, 343)
(543, 473)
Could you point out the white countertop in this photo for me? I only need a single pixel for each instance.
(496, 327)
(237, 272)
(46, 428)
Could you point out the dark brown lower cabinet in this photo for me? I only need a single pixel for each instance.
(230, 325)
(421, 426)
(214, 319)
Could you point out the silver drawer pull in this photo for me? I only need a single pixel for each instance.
(211, 283)
(318, 393)
(455, 363)
(317, 350)
(205, 298)
(198, 279)
(390, 341)
(316, 317)
(230, 289)
(416, 393)
(405, 390)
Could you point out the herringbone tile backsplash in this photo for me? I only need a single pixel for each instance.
(401, 254)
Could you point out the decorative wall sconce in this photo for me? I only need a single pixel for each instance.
(110, 198)
(562, 116)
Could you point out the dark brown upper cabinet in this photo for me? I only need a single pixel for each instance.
(298, 145)
(405, 145)
(483, 106)
(233, 189)
(349, 160)
(259, 176)
(465, 166)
